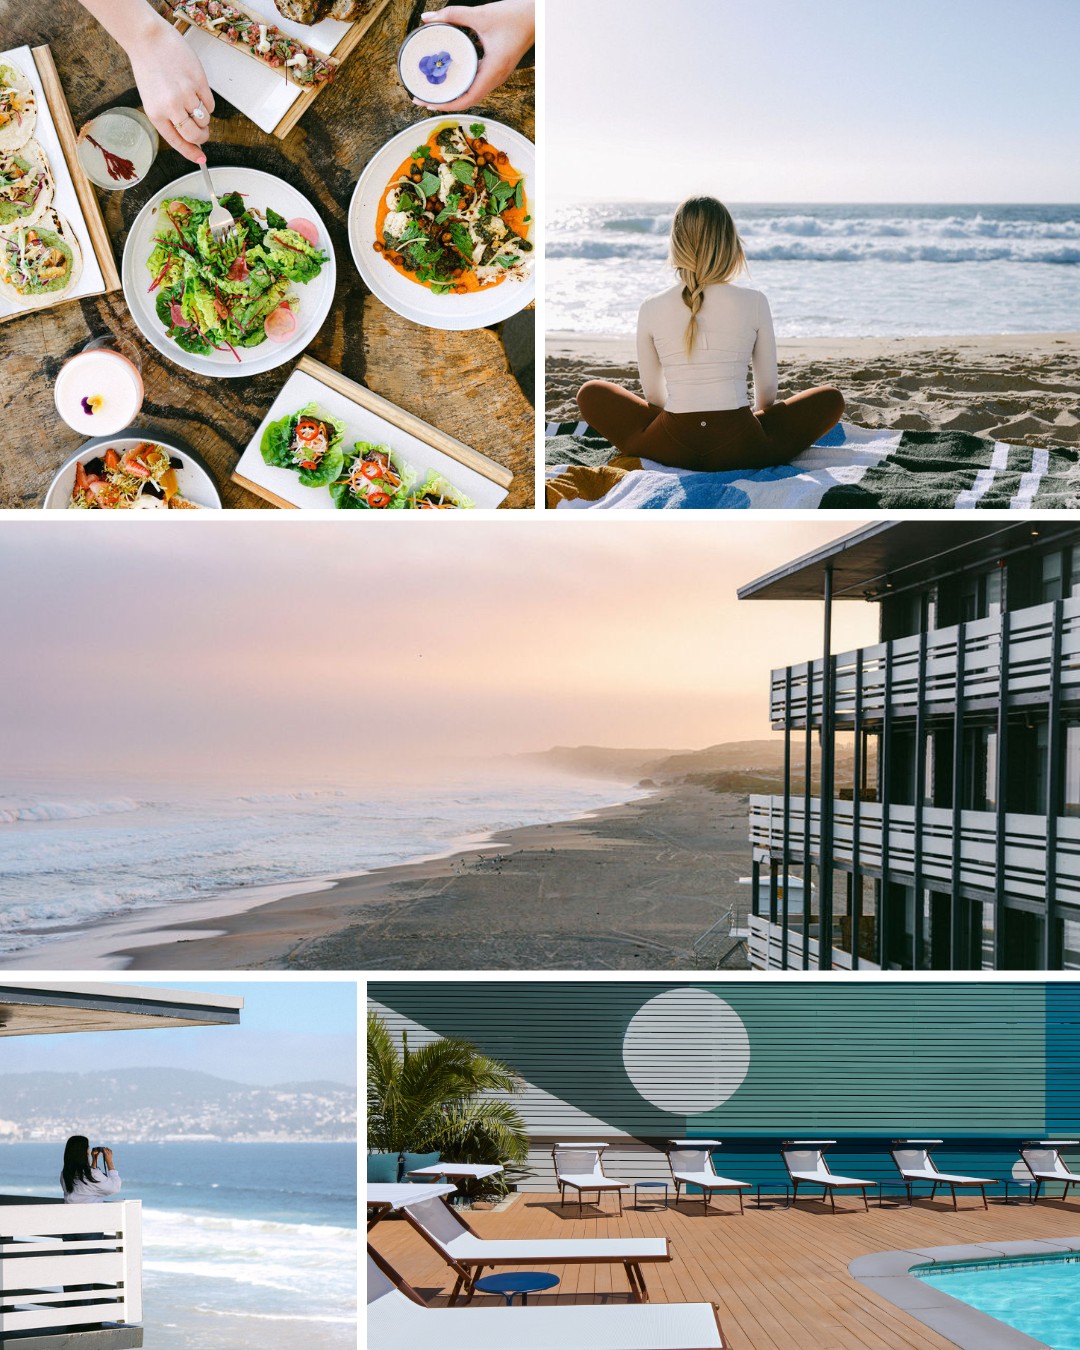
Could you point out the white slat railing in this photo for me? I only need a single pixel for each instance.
(39, 1268)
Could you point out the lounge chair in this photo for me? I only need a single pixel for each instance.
(914, 1161)
(691, 1164)
(1042, 1158)
(467, 1254)
(806, 1166)
(398, 1319)
(581, 1167)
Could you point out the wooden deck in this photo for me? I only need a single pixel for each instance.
(779, 1276)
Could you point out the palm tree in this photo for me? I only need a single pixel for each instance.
(436, 1098)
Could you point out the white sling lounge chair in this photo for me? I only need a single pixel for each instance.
(914, 1162)
(467, 1254)
(806, 1166)
(398, 1319)
(1042, 1158)
(691, 1164)
(581, 1167)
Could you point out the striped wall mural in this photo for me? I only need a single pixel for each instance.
(980, 1065)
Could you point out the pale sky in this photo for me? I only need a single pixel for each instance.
(291, 1031)
(837, 101)
(297, 651)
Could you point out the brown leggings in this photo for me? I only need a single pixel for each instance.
(735, 439)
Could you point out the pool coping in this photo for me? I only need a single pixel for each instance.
(888, 1274)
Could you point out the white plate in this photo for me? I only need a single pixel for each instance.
(261, 190)
(409, 298)
(192, 479)
(361, 424)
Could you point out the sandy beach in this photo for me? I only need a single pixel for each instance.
(1024, 389)
(628, 887)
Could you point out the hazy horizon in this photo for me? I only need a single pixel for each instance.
(972, 102)
(332, 655)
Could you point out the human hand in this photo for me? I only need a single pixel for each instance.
(507, 28)
(173, 85)
(107, 1154)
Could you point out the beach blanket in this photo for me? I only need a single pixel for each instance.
(852, 468)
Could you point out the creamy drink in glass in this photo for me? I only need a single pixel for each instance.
(117, 148)
(437, 62)
(99, 390)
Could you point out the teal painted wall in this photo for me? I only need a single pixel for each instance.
(834, 1057)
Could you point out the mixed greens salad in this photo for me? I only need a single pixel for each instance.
(218, 296)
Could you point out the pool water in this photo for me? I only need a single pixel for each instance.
(1037, 1295)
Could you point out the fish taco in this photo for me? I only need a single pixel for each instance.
(18, 107)
(26, 185)
(39, 263)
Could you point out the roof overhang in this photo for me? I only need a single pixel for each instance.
(890, 554)
(50, 1009)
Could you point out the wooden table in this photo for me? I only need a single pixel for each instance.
(460, 382)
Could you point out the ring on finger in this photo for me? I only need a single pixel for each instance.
(200, 113)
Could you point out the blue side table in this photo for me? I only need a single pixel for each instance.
(523, 1282)
(651, 1186)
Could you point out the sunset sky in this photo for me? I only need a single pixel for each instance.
(198, 650)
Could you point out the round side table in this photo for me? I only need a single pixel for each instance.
(513, 1283)
(650, 1186)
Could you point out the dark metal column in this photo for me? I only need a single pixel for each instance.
(856, 813)
(828, 775)
(920, 793)
(884, 774)
(784, 901)
(1055, 751)
(755, 877)
(1002, 737)
(957, 928)
(807, 802)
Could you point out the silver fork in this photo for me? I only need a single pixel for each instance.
(220, 220)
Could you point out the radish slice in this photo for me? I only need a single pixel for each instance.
(178, 316)
(307, 229)
(280, 324)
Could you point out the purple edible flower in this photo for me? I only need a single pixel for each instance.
(87, 408)
(436, 67)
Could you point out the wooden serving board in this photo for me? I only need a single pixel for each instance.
(305, 97)
(88, 202)
(389, 412)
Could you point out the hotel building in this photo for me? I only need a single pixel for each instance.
(930, 808)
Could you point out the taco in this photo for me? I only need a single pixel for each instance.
(435, 493)
(18, 107)
(26, 185)
(39, 263)
(374, 478)
(308, 442)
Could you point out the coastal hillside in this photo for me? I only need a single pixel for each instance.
(157, 1105)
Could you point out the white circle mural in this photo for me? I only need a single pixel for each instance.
(686, 1051)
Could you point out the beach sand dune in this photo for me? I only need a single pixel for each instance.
(1023, 389)
(632, 887)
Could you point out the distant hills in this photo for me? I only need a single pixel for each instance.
(156, 1105)
(735, 766)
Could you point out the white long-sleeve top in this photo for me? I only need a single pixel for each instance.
(99, 1187)
(734, 329)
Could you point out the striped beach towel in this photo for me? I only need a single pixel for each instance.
(852, 468)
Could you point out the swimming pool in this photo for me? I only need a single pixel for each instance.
(1038, 1295)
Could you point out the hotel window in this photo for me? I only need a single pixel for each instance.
(980, 595)
(978, 790)
(1072, 771)
(1052, 578)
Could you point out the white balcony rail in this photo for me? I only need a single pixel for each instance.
(44, 1271)
(1025, 844)
(1029, 666)
(766, 949)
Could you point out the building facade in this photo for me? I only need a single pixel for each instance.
(930, 808)
(752, 1062)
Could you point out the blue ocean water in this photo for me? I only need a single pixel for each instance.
(76, 852)
(245, 1246)
(835, 270)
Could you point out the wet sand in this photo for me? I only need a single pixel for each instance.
(1023, 389)
(630, 887)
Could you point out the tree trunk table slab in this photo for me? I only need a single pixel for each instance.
(459, 382)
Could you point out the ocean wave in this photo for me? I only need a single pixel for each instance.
(837, 249)
(70, 810)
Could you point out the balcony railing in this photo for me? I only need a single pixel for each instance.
(1029, 667)
(1025, 844)
(766, 949)
(44, 1270)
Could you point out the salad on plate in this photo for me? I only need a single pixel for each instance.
(140, 479)
(220, 296)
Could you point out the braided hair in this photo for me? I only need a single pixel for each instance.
(705, 250)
